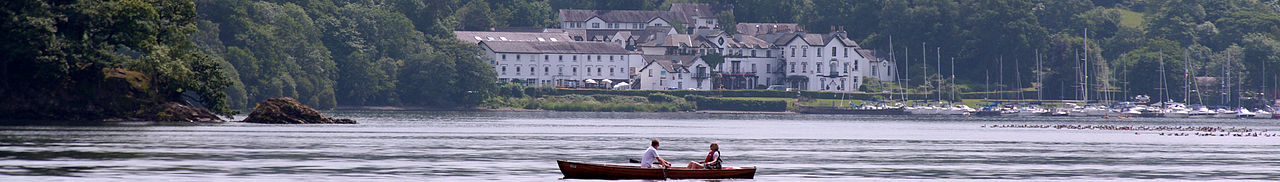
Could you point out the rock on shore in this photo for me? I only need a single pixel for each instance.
(286, 110)
(173, 111)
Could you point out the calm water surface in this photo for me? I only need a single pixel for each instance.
(523, 146)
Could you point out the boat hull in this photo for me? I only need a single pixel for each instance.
(845, 110)
(582, 170)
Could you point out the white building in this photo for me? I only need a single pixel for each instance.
(879, 67)
(689, 15)
(674, 72)
(560, 64)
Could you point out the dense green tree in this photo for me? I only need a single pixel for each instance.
(57, 51)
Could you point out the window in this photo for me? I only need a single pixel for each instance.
(504, 57)
(595, 25)
(561, 58)
(504, 69)
(561, 72)
(834, 68)
(575, 71)
(598, 71)
(517, 69)
(610, 58)
(598, 58)
(546, 58)
(546, 70)
(517, 57)
(833, 52)
(575, 58)
(805, 51)
(588, 58)
(651, 74)
(819, 52)
(709, 22)
(825, 86)
(768, 68)
(846, 67)
(753, 67)
(531, 71)
(768, 53)
(846, 52)
(818, 67)
(753, 53)
(635, 25)
(804, 67)
(793, 51)
(793, 67)
(855, 66)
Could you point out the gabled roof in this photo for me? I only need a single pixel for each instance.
(672, 63)
(554, 47)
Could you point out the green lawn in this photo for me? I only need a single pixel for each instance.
(1130, 18)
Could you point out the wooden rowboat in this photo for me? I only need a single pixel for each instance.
(582, 170)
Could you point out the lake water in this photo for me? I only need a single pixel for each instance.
(523, 146)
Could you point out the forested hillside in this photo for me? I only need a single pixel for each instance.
(342, 52)
(326, 53)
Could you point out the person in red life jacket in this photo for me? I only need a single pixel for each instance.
(712, 161)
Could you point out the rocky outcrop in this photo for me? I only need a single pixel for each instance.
(173, 111)
(286, 110)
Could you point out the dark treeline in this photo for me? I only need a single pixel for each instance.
(327, 53)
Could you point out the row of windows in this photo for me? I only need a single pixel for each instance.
(804, 67)
(599, 71)
(608, 25)
(574, 58)
(804, 51)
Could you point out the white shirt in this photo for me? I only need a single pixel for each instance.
(650, 155)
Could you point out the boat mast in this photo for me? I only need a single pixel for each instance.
(953, 78)
(1039, 78)
(894, 58)
(1163, 85)
(1086, 66)
(924, 66)
(938, 57)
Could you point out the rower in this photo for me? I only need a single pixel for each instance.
(651, 155)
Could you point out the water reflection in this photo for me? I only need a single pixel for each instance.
(522, 146)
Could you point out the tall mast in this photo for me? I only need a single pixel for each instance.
(894, 58)
(1086, 65)
(938, 57)
(924, 66)
(953, 78)
(1163, 85)
(1186, 74)
(907, 66)
(1017, 71)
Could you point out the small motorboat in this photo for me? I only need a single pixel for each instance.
(582, 170)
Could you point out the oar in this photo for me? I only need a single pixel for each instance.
(634, 160)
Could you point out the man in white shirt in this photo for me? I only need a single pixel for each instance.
(651, 155)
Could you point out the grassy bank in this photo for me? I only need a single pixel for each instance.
(594, 103)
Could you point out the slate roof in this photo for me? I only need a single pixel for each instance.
(673, 63)
(765, 28)
(554, 47)
(478, 36)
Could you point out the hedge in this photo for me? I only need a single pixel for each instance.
(710, 103)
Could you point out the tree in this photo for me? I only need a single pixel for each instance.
(475, 16)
